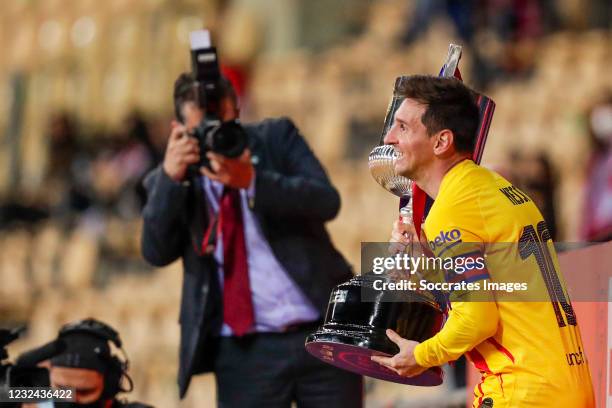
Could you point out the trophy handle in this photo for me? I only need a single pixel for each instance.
(452, 61)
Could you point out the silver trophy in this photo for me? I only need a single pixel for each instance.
(382, 167)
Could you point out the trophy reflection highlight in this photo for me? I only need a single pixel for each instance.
(381, 162)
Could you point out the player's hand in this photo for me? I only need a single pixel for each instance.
(181, 152)
(403, 363)
(402, 235)
(237, 173)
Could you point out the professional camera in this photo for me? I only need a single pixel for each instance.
(25, 373)
(227, 138)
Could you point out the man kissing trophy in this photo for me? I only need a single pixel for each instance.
(358, 315)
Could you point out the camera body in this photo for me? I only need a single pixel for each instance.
(25, 374)
(227, 138)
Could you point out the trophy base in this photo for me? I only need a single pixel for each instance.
(353, 352)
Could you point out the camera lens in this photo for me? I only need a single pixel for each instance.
(229, 139)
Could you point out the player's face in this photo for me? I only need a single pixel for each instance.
(409, 137)
(88, 384)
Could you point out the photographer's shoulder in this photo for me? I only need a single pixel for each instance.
(284, 123)
(281, 124)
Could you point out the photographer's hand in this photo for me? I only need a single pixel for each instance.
(237, 173)
(181, 152)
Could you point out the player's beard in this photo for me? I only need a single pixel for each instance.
(402, 166)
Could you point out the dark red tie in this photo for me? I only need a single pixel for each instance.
(237, 302)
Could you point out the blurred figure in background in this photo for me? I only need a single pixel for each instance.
(534, 174)
(259, 264)
(61, 193)
(425, 11)
(88, 365)
(598, 202)
(138, 132)
(515, 24)
(463, 15)
(65, 184)
(538, 180)
(518, 25)
(119, 169)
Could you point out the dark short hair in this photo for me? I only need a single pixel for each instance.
(185, 90)
(449, 105)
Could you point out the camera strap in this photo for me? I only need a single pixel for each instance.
(211, 235)
(209, 242)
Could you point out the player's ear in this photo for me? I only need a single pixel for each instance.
(443, 143)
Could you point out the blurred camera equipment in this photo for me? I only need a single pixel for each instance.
(25, 373)
(227, 138)
(80, 347)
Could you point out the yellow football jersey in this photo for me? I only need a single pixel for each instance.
(530, 353)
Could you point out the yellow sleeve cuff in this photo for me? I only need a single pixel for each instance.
(420, 353)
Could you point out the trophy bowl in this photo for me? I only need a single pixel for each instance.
(381, 162)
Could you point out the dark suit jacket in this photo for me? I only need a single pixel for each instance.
(293, 200)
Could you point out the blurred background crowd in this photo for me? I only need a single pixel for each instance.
(86, 105)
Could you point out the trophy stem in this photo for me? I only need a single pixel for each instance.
(406, 217)
(406, 212)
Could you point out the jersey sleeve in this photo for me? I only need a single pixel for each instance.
(468, 324)
(460, 236)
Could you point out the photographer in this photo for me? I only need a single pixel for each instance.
(258, 262)
(88, 366)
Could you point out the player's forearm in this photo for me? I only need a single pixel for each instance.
(469, 324)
